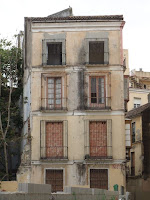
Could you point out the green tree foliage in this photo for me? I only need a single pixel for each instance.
(11, 74)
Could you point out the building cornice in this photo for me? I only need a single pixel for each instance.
(78, 113)
(139, 90)
(77, 26)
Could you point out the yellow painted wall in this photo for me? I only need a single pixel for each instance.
(137, 93)
(76, 140)
(9, 186)
(74, 46)
(75, 42)
(116, 174)
(137, 146)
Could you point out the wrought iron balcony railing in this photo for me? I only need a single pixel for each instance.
(95, 103)
(98, 152)
(54, 152)
(54, 104)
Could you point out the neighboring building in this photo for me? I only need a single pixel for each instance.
(74, 114)
(140, 152)
(139, 89)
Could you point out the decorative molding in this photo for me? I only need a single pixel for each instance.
(78, 113)
(77, 26)
(139, 90)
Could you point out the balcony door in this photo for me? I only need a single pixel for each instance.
(54, 93)
(97, 91)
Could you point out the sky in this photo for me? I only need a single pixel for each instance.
(136, 32)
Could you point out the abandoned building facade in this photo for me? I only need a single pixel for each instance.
(74, 114)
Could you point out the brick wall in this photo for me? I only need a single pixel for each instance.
(98, 139)
(54, 139)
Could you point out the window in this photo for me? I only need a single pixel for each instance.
(128, 134)
(54, 53)
(99, 178)
(54, 177)
(98, 139)
(133, 132)
(96, 52)
(54, 140)
(97, 48)
(137, 102)
(97, 91)
(54, 93)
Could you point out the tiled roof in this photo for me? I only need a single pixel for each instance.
(137, 111)
(77, 18)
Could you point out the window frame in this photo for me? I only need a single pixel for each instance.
(45, 43)
(44, 97)
(51, 55)
(106, 49)
(94, 150)
(63, 169)
(93, 52)
(99, 169)
(87, 139)
(97, 91)
(136, 102)
(43, 140)
(55, 105)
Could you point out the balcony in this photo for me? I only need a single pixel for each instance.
(54, 152)
(94, 103)
(98, 152)
(54, 104)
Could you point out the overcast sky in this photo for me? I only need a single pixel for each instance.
(136, 33)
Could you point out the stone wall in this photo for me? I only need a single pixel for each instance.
(43, 192)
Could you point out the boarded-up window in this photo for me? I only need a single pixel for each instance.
(55, 179)
(54, 53)
(54, 139)
(98, 139)
(97, 90)
(99, 178)
(54, 93)
(96, 52)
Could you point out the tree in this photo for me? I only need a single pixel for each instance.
(11, 73)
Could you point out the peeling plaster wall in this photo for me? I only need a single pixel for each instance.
(75, 74)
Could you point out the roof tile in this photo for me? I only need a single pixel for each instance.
(137, 111)
(77, 18)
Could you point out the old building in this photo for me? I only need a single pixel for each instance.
(139, 88)
(138, 179)
(140, 151)
(74, 109)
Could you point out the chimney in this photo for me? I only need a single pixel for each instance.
(140, 69)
